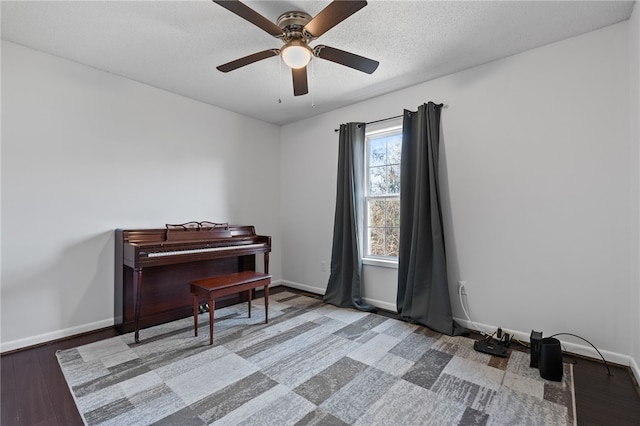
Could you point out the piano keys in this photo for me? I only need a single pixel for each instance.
(200, 250)
(153, 268)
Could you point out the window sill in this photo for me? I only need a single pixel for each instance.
(384, 263)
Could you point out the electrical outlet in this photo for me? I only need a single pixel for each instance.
(323, 266)
(462, 285)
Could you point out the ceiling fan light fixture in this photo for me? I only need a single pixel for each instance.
(296, 54)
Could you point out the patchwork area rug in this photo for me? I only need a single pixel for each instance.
(313, 364)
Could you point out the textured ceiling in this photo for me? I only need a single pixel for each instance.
(176, 45)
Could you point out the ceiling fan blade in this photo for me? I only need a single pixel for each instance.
(238, 63)
(299, 81)
(330, 16)
(341, 57)
(245, 12)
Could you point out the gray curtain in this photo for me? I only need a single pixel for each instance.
(345, 281)
(423, 291)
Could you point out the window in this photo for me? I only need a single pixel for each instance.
(382, 192)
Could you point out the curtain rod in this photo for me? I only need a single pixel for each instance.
(389, 118)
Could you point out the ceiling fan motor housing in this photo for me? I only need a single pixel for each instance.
(292, 24)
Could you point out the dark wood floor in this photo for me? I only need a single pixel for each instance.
(34, 391)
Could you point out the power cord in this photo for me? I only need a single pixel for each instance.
(478, 329)
(521, 343)
(487, 337)
(575, 335)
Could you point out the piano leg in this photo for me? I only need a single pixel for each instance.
(249, 301)
(266, 303)
(266, 290)
(137, 293)
(212, 308)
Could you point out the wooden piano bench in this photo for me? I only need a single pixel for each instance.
(224, 285)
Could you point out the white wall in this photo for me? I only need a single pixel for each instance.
(85, 152)
(541, 214)
(634, 138)
(536, 174)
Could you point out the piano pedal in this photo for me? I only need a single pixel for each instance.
(203, 308)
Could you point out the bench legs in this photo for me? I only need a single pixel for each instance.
(212, 304)
(266, 304)
(212, 308)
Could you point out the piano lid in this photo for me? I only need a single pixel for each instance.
(158, 236)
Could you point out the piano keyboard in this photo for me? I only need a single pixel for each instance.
(204, 250)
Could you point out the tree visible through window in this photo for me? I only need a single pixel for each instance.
(383, 192)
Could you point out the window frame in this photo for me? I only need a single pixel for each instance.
(388, 128)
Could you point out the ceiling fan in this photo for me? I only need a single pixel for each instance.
(296, 29)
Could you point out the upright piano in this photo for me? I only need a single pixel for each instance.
(153, 268)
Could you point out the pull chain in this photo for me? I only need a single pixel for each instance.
(279, 79)
(312, 80)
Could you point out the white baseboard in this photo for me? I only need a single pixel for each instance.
(67, 332)
(275, 283)
(381, 304)
(304, 287)
(571, 347)
(635, 369)
(54, 335)
(317, 290)
(579, 349)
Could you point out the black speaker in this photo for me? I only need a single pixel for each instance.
(550, 360)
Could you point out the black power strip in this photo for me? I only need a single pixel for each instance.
(491, 348)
